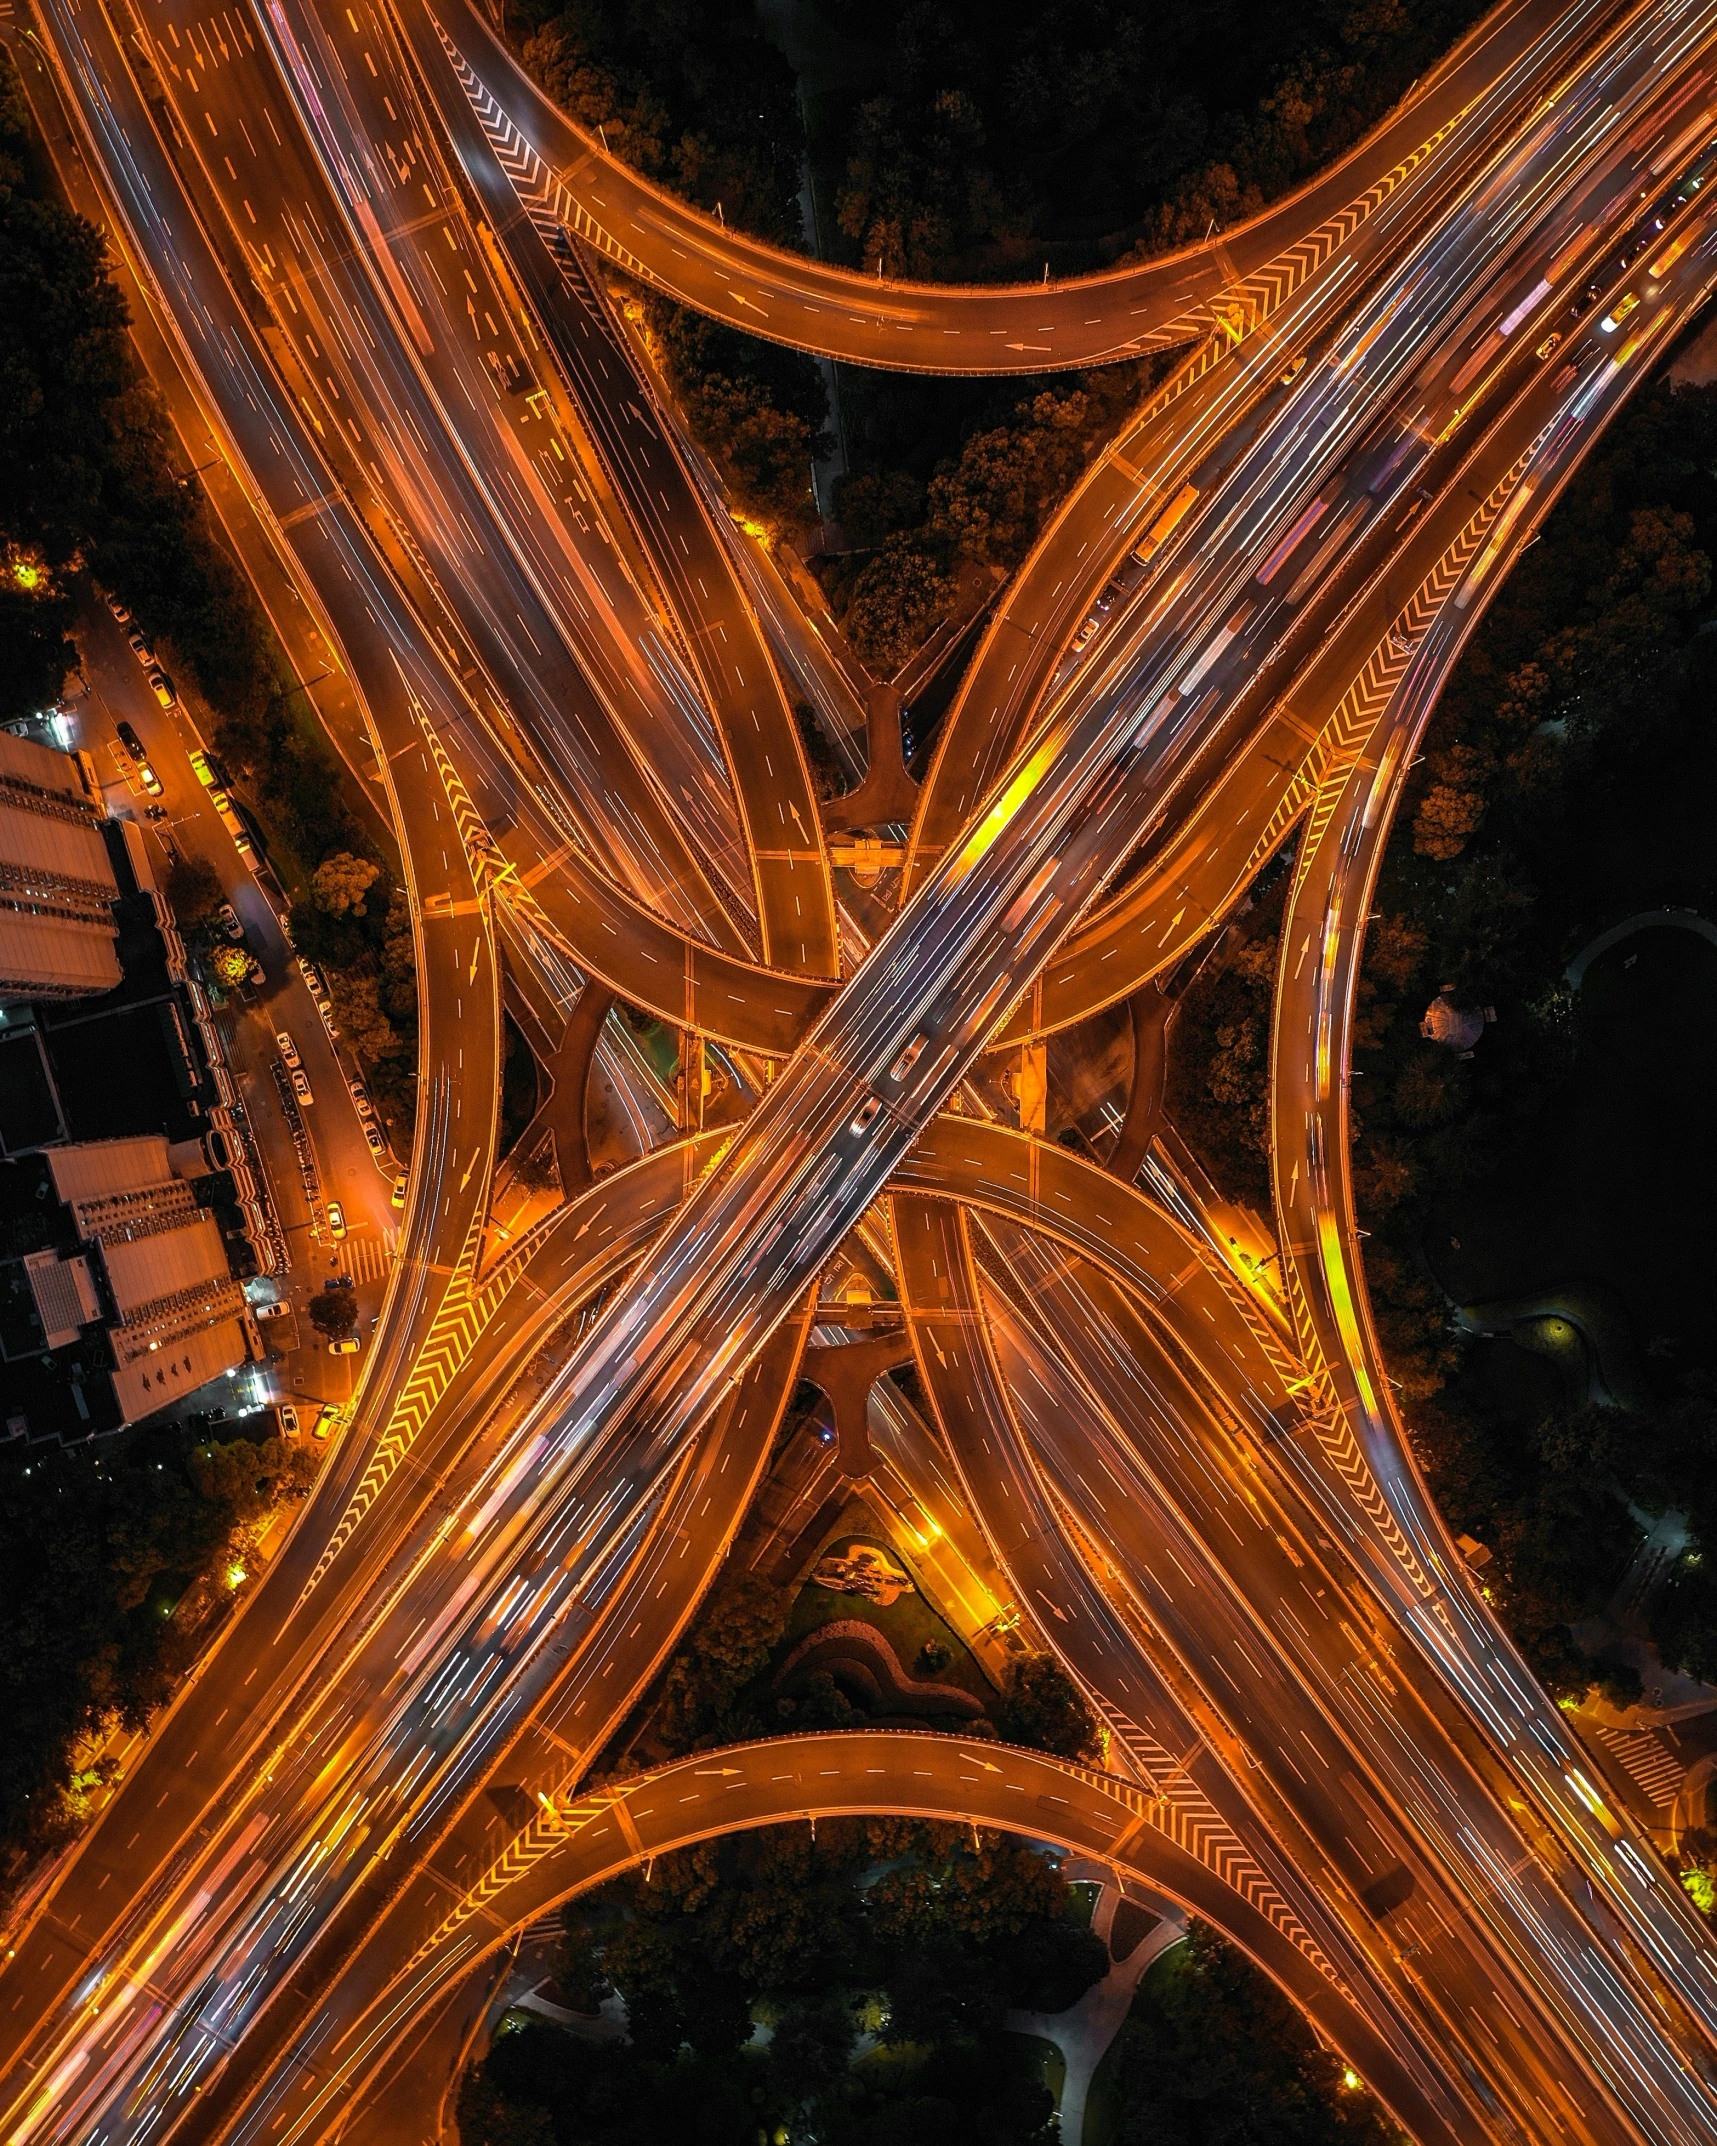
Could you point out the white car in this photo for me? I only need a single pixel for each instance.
(288, 1050)
(373, 1137)
(230, 921)
(301, 1085)
(276, 1310)
(288, 1419)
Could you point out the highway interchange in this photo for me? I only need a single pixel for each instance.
(369, 262)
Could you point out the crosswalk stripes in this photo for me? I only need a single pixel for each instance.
(1655, 1772)
(366, 1258)
(1177, 1806)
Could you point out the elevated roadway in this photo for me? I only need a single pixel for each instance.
(1018, 328)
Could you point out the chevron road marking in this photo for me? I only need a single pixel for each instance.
(1235, 312)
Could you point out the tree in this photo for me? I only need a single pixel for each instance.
(1212, 2050)
(231, 966)
(536, 1172)
(334, 1313)
(896, 600)
(812, 2041)
(340, 882)
(1044, 1709)
(193, 891)
(726, 1647)
(37, 653)
(873, 506)
(1051, 1964)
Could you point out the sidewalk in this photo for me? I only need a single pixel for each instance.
(1085, 2030)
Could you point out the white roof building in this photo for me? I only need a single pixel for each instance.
(57, 930)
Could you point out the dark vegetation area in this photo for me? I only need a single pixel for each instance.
(109, 1558)
(1563, 789)
(881, 1957)
(1212, 2050)
(1556, 799)
(920, 1936)
(716, 1690)
(90, 482)
(977, 143)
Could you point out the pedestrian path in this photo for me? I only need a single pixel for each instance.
(1084, 2031)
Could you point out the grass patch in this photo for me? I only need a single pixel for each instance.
(908, 1625)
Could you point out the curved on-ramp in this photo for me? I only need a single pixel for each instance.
(841, 313)
(582, 1842)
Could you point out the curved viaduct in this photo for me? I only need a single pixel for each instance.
(577, 1844)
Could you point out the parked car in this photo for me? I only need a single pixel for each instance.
(162, 687)
(361, 1096)
(139, 645)
(336, 1219)
(277, 1310)
(399, 1190)
(147, 776)
(258, 974)
(326, 1421)
(288, 1050)
(373, 1138)
(301, 1085)
(132, 742)
(288, 1419)
(122, 612)
(343, 1348)
(230, 921)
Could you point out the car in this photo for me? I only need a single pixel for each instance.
(258, 974)
(301, 1085)
(122, 612)
(138, 643)
(276, 1310)
(1551, 342)
(312, 976)
(230, 921)
(236, 828)
(361, 1096)
(372, 1135)
(326, 1421)
(1295, 366)
(1087, 632)
(1612, 321)
(200, 767)
(343, 1348)
(132, 742)
(399, 1190)
(288, 1050)
(907, 1059)
(867, 1115)
(336, 1219)
(147, 776)
(163, 688)
(288, 1419)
